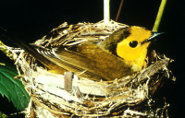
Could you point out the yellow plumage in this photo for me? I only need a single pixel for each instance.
(134, 56)
(121, 54)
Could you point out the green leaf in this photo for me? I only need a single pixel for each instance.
(2, 115)
(13, 89)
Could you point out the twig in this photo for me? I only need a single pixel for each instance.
(106, 11)
(119, 10)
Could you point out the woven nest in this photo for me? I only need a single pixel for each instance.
(56, 95)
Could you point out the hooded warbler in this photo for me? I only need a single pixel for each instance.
(121, 54)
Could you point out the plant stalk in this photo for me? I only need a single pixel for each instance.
(159, 16)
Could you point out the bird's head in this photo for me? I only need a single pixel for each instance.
(133, 48)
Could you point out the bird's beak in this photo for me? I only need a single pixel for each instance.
(153, 36)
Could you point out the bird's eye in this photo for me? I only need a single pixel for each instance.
(133, 44)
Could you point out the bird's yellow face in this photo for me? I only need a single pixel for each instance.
(133, 49)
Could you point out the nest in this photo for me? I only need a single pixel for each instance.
(56, 95)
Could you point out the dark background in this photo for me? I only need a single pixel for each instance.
(29, 20)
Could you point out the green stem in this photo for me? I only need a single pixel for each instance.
(159, 16)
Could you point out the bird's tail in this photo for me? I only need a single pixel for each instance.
(4, 37)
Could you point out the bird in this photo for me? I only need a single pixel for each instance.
(121, 54)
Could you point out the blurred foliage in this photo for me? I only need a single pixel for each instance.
(3, 115)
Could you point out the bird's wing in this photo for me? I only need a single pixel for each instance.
(70, 61)
(88, 60)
